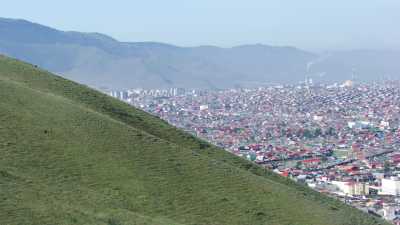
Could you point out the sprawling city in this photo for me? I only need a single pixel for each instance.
(200, 112)
(340, 139)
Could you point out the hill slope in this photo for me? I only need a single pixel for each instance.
(71, 155)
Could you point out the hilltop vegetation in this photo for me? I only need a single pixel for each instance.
(71, 155)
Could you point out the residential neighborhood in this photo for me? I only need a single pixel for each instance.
(339, 139)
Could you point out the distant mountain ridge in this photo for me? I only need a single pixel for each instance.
(99, 60)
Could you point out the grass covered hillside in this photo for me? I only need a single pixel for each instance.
(71, 155)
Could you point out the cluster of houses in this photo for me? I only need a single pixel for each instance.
(342, 140)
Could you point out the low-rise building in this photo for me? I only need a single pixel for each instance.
(390, 186)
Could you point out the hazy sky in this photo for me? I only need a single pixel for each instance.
(308, 24)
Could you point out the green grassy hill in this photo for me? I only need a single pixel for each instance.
(71, 155)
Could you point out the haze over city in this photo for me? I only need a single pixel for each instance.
(311, 24)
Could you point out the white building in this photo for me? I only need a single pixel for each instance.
(352, 188)
(318, 118)
(203, 107)
(389, 211)
(390, 186)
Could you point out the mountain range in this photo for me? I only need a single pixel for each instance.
(100, 61)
